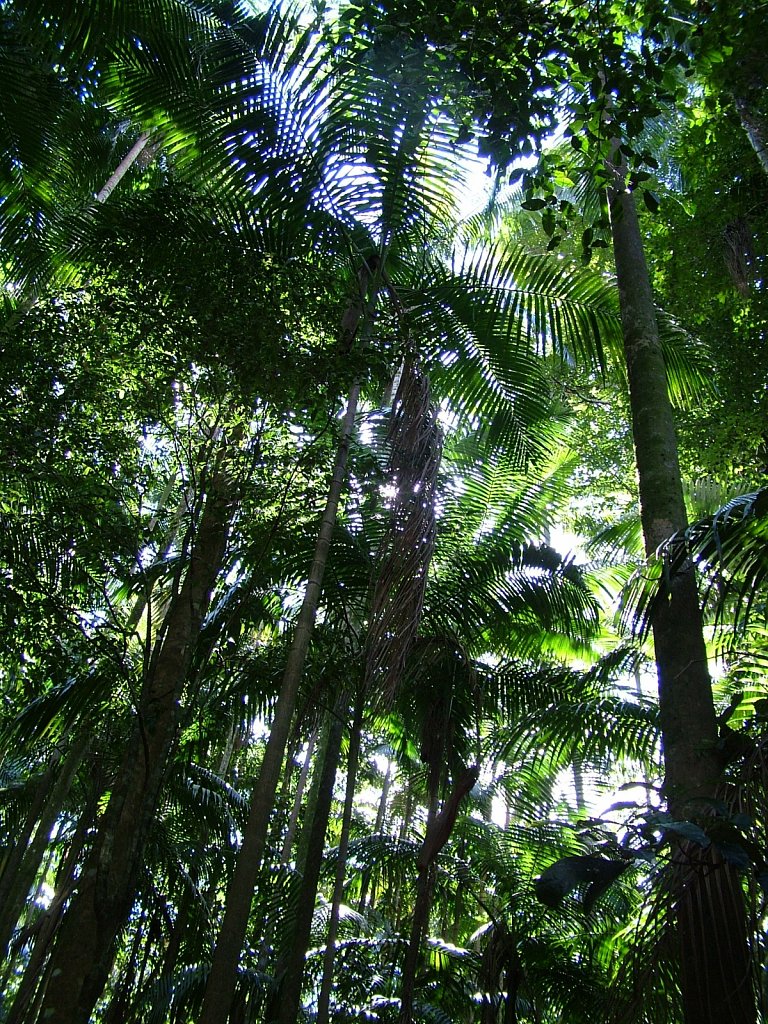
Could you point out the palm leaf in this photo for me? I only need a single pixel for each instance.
(729, 550)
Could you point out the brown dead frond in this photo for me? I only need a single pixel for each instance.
(738, 254)
(415, 442)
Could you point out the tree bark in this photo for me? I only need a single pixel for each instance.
(182, 925)
(687, 712)
(49, 924)
(220, 989)
(287, 999)
(578, 783)
(419, 924)
(82, 956)
(24, 861)
(299, 796)
(122, 168)
(717, 973)
(378, 829)
(755, 129)
(420, 918)
(686, 707)
(324, 998)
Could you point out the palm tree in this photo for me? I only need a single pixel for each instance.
(171, 562)
(393, 128)
(619, 95)
(356, 168)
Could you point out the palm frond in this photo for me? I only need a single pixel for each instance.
(497, 593)
(729, 551)
(584, 715)
(491, 315)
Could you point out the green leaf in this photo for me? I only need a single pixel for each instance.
(565, 875)
(690, 831)
(651, 200)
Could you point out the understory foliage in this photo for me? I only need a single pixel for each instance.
(298, 279)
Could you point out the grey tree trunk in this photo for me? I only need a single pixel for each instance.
(122, 168)
(378, 828)
(49, 923)
(182, 926)
(419, 926)
(755, 129)
(719, 993)
(688, 721)
(25, 858)
(287, 999)
(299, 796)
(83, 952)
(324, 998)
(422, 906)
(222, 978)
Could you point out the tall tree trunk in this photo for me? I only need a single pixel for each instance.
(26, 856)
(407, 820)
(222, 978)
(754, 126)
(299, 796)
(419, 923)
(578, 783)
(687, 712)
(355, 736)
(49, 923)
(378, 829)
(402, 835)
(122, 168)
(182, 926)
(420, 919)
(686, 708)
(82, 956)
(287, 999)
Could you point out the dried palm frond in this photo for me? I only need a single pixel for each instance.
(691, 953)
(415, 442)
(738, 254)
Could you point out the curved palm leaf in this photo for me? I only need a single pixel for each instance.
(560, 715)
(729, 550)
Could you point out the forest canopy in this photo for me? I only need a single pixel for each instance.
(383, 512)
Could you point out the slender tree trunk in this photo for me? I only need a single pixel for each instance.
(122, 168)
(181, 928)
(314, 794)
(378, 829)
(287, 1000)
(83, 953)
(419, 923)
(381, 811)
(119, 1005)
(13, 892)
(49, 923)
(457, 905)
(222, 978)
(25, 859)
(686, 708)
(688, 721)
(578, 784)
(405, 828)
(324, 999)
(420, 919)
(299, 796)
